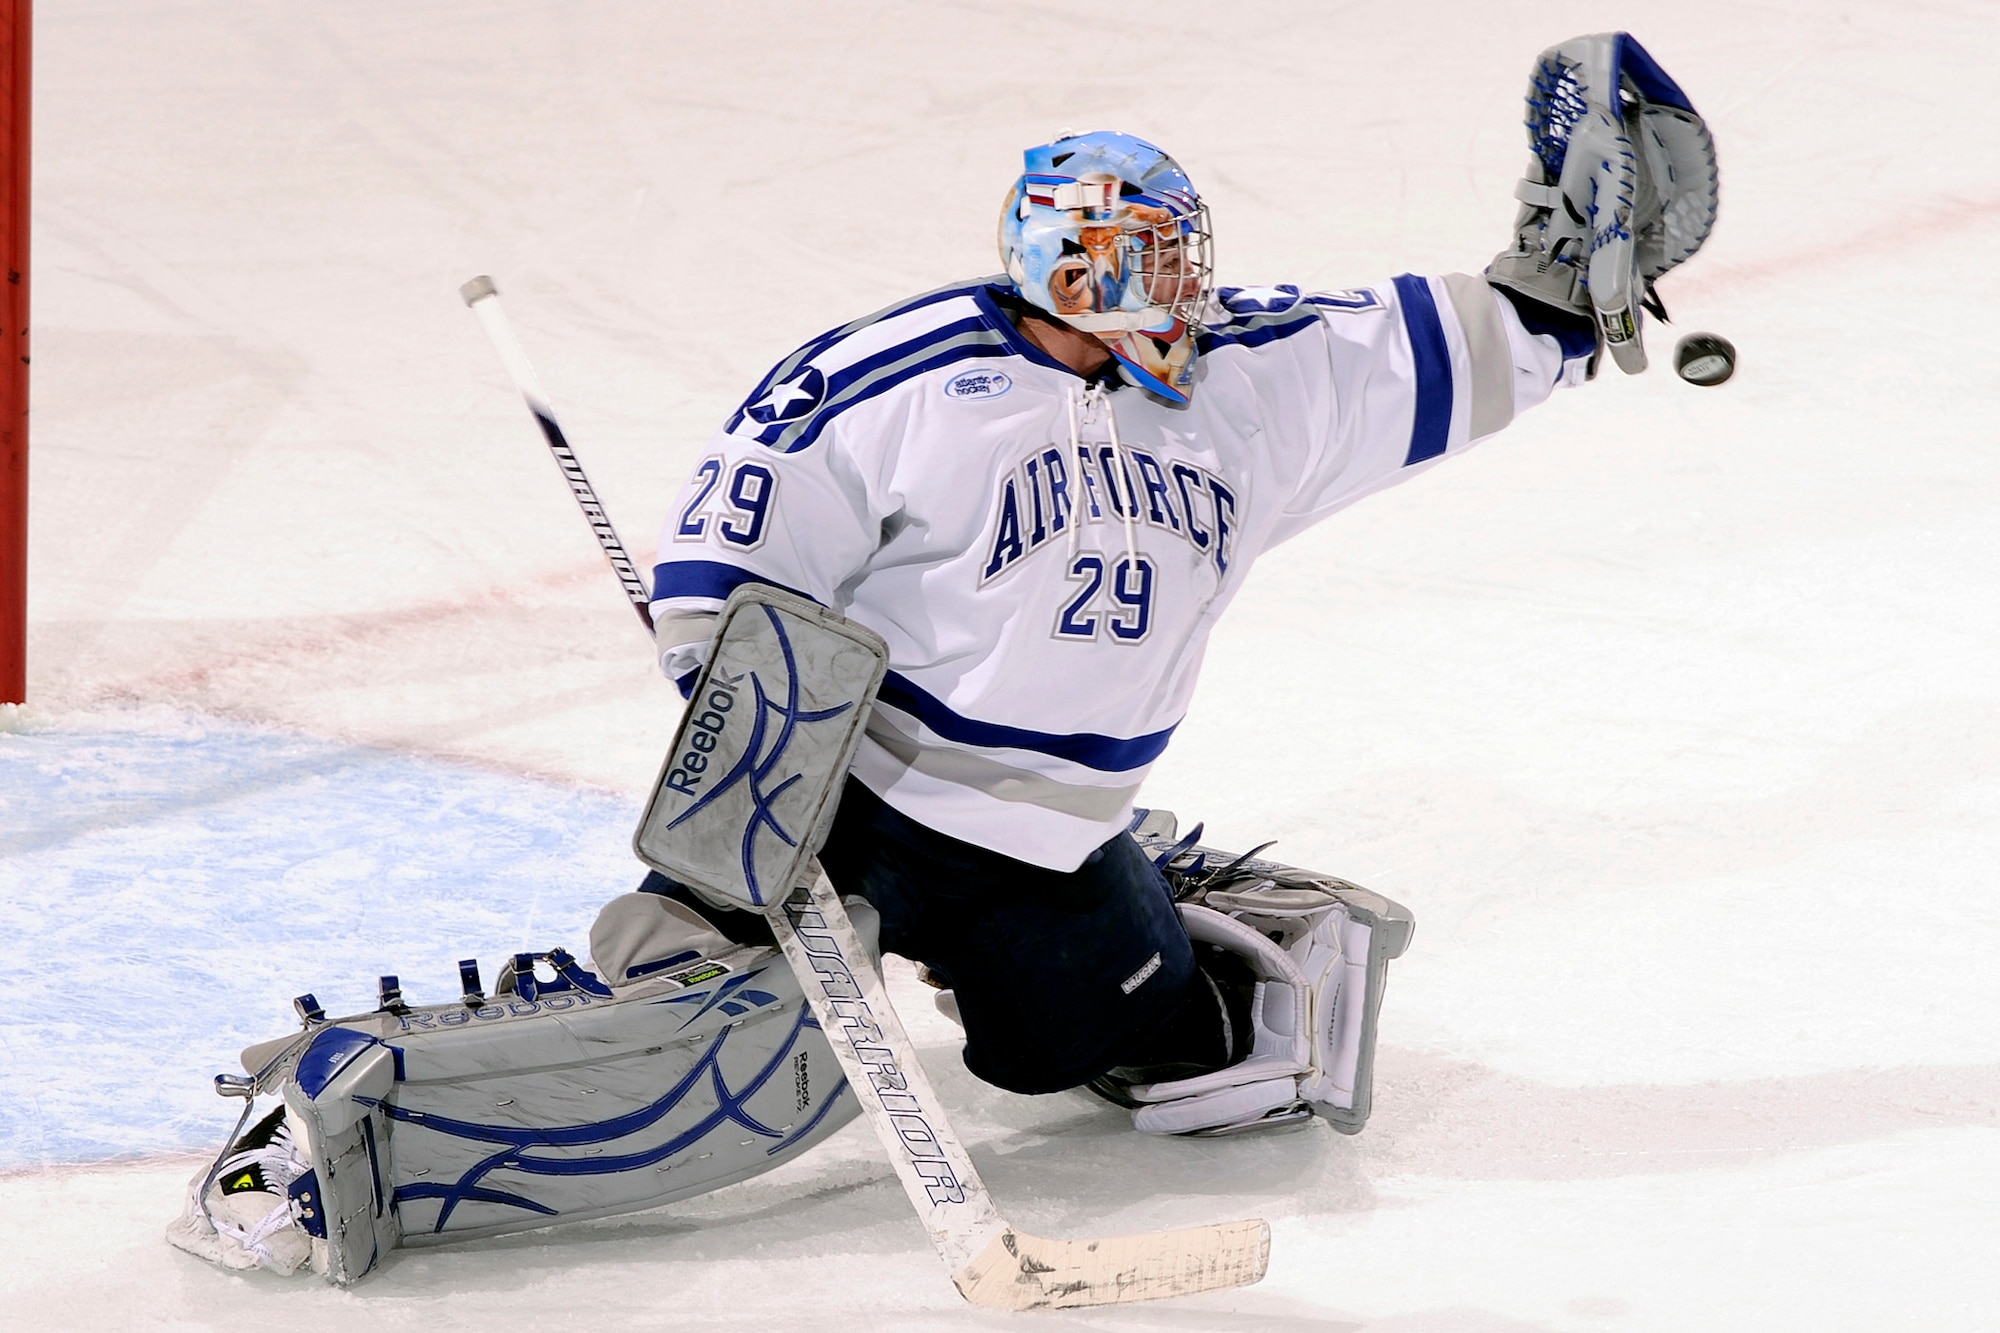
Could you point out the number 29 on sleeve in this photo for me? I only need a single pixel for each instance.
(740, 512)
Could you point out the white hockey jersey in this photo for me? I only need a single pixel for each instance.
(1046, 557)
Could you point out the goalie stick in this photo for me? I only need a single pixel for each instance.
(484, 298)
(992, 1263)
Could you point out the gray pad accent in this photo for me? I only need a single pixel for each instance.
(756, 767)
(1391, 926)
(1486, 344)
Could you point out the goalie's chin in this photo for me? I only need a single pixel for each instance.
(1162, 363)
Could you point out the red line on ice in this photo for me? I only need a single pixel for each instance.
(1942, 216)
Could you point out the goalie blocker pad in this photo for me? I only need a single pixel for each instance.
(683, 1063)
(750, 786)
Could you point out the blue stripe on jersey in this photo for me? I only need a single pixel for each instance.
(1431, 431)
(708, 578)
(861, 370)
(835, 405)
(1107, 754)
(1256, 330)
(813, 347)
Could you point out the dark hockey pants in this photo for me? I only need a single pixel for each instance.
(1059, 976)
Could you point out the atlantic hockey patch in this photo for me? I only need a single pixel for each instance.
(978, 384)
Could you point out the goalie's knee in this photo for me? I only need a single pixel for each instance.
(1051, 971)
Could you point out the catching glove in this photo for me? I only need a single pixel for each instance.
(1621, 187)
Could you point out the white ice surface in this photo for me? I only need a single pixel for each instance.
(1673, 713)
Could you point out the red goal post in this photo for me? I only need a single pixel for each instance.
(16, 98)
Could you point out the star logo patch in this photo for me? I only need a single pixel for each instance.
(790, 399)
(1259, 300)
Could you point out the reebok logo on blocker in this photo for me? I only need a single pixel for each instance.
(704, 733)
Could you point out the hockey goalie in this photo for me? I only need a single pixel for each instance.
(938, 594)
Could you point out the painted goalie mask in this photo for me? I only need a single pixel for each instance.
(1105, 232)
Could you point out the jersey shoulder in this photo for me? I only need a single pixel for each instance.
(1250, 317)
(860, 361)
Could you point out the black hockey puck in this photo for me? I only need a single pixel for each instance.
(1706, 359)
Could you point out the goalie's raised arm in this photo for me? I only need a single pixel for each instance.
(1369, 386)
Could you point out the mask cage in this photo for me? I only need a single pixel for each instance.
(1136, 274)
(1174, 261)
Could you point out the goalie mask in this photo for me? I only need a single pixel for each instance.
(1105, 232)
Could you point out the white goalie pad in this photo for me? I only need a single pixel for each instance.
(754, 775)
(1280, 1047)
(1320, 947)
(559, 1097)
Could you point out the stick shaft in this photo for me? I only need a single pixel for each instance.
(880, 1062)
(484, 299)
(992, 1263)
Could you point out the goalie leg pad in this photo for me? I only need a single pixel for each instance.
(558, 1098)
(1321, 948)
(1343, 945)
(334, 1104)
(1280, 1048)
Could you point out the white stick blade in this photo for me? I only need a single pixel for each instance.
(1022, 1272)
